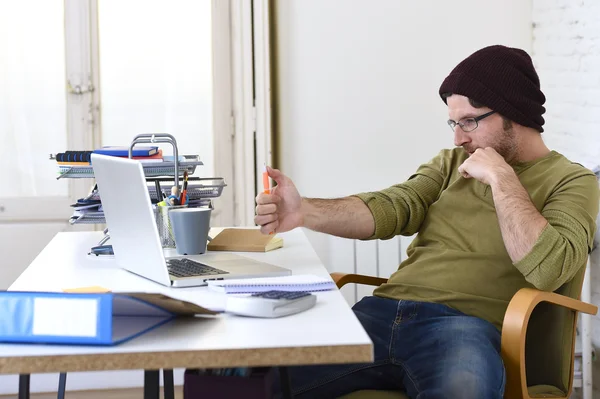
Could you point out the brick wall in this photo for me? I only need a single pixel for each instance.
(566, 52)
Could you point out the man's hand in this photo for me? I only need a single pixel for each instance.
(520, 222)
(284, 209)
(484, 165)
(281, 210)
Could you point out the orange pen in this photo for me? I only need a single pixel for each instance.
(266, 185)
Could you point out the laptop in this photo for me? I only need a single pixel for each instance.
(135, 238)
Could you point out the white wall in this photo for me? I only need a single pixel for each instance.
(357, 88)
(566, 51)
(357, 85)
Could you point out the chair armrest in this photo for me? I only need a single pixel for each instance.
(514, 328)
(342, 279)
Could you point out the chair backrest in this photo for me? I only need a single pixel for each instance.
(550, 340)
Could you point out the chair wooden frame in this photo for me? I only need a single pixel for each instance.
(514, 328)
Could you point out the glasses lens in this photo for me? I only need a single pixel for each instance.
(468, 124)
(451, 123)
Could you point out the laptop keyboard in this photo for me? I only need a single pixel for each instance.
(188, 268)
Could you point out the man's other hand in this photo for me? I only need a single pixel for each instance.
(484, 165)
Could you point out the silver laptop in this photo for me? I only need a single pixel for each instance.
(135, 239)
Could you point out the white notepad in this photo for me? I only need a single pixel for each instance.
(297, 282)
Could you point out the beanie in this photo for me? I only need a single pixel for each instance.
(503, 79)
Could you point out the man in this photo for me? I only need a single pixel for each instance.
(495, 214)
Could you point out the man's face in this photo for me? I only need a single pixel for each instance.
(490, 131)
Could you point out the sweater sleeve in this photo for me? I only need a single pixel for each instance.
(401, 209)
(564, 244)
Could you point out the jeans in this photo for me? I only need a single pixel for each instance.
(426, 350)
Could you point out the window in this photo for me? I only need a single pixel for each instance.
(156, 73)
(77, 74)
(32, 97)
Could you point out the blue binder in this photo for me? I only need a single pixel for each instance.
(86, 318)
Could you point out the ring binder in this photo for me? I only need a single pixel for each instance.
(92, 318)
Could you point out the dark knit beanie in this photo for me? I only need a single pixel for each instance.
(503, 79)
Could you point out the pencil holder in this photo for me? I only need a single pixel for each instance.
(165, 231)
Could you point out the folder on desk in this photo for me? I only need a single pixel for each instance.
(86, 318)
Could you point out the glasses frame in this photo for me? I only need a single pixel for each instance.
(460, 123)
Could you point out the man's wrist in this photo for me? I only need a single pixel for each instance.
(305, 207)
(502, 178)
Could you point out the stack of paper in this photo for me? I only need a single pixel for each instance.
(297, 282)
(87, 211)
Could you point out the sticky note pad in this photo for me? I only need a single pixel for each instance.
(90, 289)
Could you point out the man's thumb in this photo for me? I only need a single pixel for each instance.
(275, 174)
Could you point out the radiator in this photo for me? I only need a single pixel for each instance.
(374, 258)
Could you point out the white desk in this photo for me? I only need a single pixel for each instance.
(328, 333)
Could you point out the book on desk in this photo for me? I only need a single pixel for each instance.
(86, 318)
(244, 240)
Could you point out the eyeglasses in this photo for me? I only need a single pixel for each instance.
(468, 124)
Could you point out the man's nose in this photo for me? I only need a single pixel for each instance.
(460, 137)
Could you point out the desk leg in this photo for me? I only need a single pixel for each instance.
(151, 383)
(62, 385)
(286, 384)
(168, 384)
(24, 386)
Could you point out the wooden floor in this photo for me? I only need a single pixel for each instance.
(130, 393)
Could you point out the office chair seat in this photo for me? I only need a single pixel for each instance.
(537, 391)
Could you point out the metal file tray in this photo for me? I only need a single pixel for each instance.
(210, 187)
(151, 169)
(161, 174)
(203, 187)
(88, 218)
(97, 217)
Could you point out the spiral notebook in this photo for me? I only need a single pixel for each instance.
(296, 282)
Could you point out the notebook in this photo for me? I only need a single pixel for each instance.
(296, 282)
(244, 240)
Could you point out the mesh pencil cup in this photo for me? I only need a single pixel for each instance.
(165, 231)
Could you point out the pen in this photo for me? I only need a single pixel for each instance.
(184, 189)
(266, 185)
(158, 191)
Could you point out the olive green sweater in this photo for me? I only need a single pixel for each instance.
(458, 257)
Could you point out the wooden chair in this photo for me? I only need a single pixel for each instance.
(538, 340)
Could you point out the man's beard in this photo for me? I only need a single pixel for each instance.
(504, 144)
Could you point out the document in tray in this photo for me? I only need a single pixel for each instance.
(92, 318)
(297, 282)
